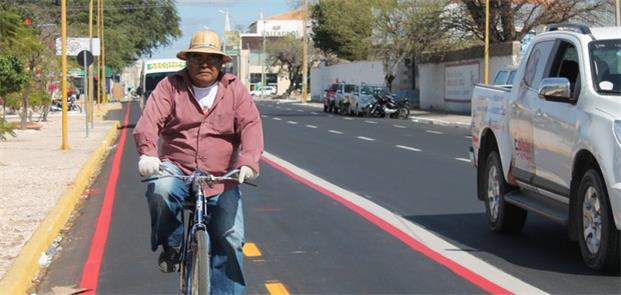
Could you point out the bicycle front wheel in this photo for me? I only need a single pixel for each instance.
(200, 262)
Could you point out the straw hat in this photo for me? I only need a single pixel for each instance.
(204, 42)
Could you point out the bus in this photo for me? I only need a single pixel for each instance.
(154, 70)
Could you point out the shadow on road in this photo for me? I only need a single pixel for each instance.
(542, 245)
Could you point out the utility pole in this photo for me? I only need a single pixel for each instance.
(486, 48)
(262, 56)
(305, 54)
(99, 58)
(63, 81)
(103, 57)
(89, 71)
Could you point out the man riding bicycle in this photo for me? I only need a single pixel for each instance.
(200, 118)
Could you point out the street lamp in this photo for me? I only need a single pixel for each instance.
(227, 27)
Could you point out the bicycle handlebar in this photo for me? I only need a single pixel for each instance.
(202, 177)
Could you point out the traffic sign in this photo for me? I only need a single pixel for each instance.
(85, 58)
(75, 45)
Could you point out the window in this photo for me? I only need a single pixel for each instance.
(511, 76)
(153, 79)
(349, 88)
(606, 66)
(254, 58)
(567, 65)
(536, 63)
(501, 77)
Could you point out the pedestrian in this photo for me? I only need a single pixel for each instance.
(200, 118)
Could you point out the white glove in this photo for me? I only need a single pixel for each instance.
(148, 166)
(246, 173)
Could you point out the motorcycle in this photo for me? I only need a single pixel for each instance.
(387, 105)
(72, 105)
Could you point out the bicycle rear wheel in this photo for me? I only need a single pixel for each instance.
(200, 264)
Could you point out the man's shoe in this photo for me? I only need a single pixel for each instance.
(168, 260)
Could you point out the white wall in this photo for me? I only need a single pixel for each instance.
(369, 72)
(432, 78)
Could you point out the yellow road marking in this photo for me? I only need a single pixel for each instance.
(276, 288)
(251, 250)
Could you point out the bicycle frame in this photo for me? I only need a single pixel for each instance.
(197, 220)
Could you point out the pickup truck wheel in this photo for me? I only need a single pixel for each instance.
(599, 238)
(501, 216)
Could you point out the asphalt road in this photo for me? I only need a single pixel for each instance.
(313, 244)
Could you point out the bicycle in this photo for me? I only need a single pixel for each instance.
(194, 271)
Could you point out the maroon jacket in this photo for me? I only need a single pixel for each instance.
(230, 135)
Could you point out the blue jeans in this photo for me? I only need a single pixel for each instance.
(165, 197)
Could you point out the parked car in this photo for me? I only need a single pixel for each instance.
(364, 96)
(342, 101)
(551, 142)
(265, 90)
(328, 98)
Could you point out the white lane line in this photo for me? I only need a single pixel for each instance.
(311, 126)
(300, 111)
(417, 237)
(399, 126)
(277, 119)
(434, 132)
(292, 122)
(366, 138)
(288, 109)
(468, 137)
(463, 160)
(264, 116)
(348, 118)
(314, 113)
(335, 132)
(370, 122)
(408, 148)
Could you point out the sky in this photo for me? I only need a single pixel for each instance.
(201, 14)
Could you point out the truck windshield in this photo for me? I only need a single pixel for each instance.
(606, 66)
(152, 80)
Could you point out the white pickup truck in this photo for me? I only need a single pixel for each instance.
(551, 143)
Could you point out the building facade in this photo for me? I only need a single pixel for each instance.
(252, 67)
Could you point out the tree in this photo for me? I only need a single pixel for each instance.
(30, 52)
(406, 29)
(12, 79)
(286, 55)
(343, 27)
(506, 15)
(131, 28)
(9, 22)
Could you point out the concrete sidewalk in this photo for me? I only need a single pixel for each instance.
(40, 185)
(416, 115)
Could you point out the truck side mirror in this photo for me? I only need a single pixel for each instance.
(555, 89)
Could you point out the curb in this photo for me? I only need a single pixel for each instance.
(439, 122)
(19, 277)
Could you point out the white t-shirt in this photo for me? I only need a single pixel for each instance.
(205, 96)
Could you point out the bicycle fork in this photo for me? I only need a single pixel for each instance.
(197, 220)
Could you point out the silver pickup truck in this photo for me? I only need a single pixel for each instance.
(551, 143)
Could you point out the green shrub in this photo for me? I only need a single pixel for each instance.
(6, 128)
